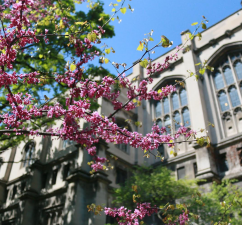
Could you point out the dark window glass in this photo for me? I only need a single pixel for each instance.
(238, 70)
(234, 97)
(168, 124)
(223, 163)
(44, 179)
(159, 123)
(161, 151)
(121, 176)
(195, 168)
(66, 171)
(158, 109)
(166, 106)
(23, 186)
(6, 194)
(181, 173)
(218, 80)
(54, 176)
(175, 101)
(177, 120)
(228, 75)
(223, 101)
(183, 96)
(186, 117)
(14, 192)
(29, 153)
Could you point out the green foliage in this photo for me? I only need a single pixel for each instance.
(222, 203)
(52, 57)
(156, 186)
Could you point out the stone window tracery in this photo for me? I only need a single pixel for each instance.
(172, 111)
(227, 82)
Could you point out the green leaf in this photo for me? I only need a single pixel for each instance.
(107, 50)
(204, 26)
(140, 47)
(106, 60)
(165, 41)
(92, 37)
(193, 24)
(200, 141)
(199, 35)
(159, 91)
(202, 71)
(123, 10)
(73, 67)
(40, 56)
(113, 10)
(151, 39)
(119, 0)
(67, 35)
(144, 63)
(197, 64)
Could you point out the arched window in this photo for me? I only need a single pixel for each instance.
(238, 69)
(177, 120)
(158, 109)
(218, 80)
(166, 105)
(234, 97)
(28, 154)
(223, 101)
(228, 75)
(175, 110)
(183, 96)
(186, 117)
(175, 101)
(228, 89)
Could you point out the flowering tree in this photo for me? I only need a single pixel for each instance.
(28, 29)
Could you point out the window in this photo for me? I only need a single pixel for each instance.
(181, 173)
(54, 176)
(123, 124)
(158, 108)
(238, 69)
(175, 101)
(28, 154)
(186, 117)
(234, 96)
(223, 163)
(166, 105)
(161, 151)
(66, 171)
(14, 191)
(228, 87)
(44, 179)
(121, 176)
(195, 168)
(172, 111)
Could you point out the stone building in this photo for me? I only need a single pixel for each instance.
(52, 185)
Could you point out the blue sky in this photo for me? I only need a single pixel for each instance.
(167, 18)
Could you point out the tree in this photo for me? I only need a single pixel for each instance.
(50, 58)
(159, 187)
(33, 42)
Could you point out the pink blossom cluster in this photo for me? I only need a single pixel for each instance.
(125, 216)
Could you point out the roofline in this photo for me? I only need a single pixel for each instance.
(221, 20)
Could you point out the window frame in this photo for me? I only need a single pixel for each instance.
(230, 59)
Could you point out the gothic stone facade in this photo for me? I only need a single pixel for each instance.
(54, 186)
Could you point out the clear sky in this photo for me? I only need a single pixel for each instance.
(168, 18)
